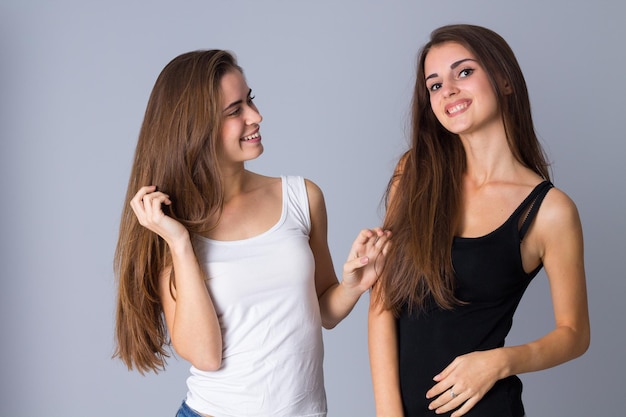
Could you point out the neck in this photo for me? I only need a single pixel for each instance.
(489, 157)
(235, 180)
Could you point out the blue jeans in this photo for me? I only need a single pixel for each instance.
(186, 411)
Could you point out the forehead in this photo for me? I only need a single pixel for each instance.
(441, 56)
(233, 85)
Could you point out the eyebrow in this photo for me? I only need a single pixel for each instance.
(453, 66)
(236, 103)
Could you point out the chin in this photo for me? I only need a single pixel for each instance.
(259, 153)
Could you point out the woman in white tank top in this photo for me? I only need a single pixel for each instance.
(233, 267)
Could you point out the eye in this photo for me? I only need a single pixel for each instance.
(251, 99)
(434, 87)
(235, 112)
(465, 72)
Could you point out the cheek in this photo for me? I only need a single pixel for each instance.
(436, 109)
(228, 130)
(434, 102)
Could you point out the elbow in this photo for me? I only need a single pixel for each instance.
(329, 326)
(584, 343)
(330, 318)
(203, 360)
(584, 339)
(581, 343)
(207, 364)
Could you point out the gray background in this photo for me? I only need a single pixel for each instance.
(333, 81)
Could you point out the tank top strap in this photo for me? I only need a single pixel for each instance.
(534, 199)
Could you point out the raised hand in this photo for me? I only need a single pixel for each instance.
(366, 258)
(147, 206)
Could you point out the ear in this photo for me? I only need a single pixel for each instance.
(506, 87)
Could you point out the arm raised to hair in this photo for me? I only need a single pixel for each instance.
(189, 312)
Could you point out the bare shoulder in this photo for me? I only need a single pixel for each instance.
(316, 196)
(558, 216)
(558, 206)
(317, 205)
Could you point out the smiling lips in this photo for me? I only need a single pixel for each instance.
(255, 135)
(457, 107)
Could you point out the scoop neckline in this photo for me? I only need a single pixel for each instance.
(276, 225)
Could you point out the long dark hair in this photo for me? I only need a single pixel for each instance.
(177, 152)
(424, 211)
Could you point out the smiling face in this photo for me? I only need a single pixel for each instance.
(240, 137)
(461, 95)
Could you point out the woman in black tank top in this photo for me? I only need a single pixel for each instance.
(474, 218)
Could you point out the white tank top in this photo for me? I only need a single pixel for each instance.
(263, 289)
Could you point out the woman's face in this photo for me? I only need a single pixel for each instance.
(240, 137)
(461, 95)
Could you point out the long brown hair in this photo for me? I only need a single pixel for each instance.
(424, 195)
(177, 152)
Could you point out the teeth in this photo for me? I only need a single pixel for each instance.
(457, 108)
(254, 136)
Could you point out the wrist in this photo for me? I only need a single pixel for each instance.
(181, 245)
(503, 362)
(350, 291)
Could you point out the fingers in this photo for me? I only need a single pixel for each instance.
(442, 384)
(370, 242)
(147, 204)
(361, 240)
(361, 269)
(353, 264)
(447, 401)
(447, 371)
(467, 405)
(455, 398)
(458, 387)
(381, 243)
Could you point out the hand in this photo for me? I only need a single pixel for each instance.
(361, 269)
(147, 205)
(464, 382)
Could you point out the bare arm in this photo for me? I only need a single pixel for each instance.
(190, 316)
(336, 299)
(561, 245)
(383, 353)
(383, 342)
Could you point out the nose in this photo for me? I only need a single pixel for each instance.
(253, 116)
(450, 89)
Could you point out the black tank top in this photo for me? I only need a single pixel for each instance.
(490, 278)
